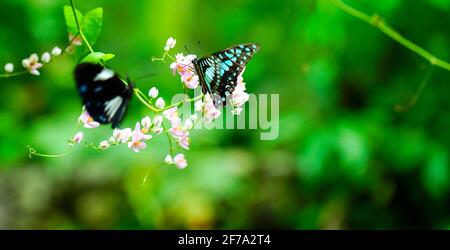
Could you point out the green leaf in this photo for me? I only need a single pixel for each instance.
(70, 19)
(92, 24)
(97, 57)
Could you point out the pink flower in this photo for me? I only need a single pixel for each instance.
(137, 146)
(138, 135)
(136, 143)
(122, 135)
(210, 112)
(183, 65)
(77, 138)
(87, 120)
(239, 97)
(172, 115)
(181, 133)
(179, 160)
(190, 80)
(32, 64)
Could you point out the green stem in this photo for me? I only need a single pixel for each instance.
(32, 152)
(417, 94)
(72, 4)
(378, 23)
(13, 74)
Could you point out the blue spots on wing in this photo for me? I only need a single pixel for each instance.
(102, 118)
(98, 89)
(83, 88)
(225, 66)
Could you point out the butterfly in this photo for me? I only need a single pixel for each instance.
(219, 71)
(102, 93)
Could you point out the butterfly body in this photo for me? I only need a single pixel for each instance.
(218, 73)
(102, 93)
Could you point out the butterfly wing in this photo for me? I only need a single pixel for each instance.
(102, 92)
(218, 72)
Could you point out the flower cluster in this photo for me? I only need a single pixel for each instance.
(183, 65)
(207, 108)
(179, 130)
(239, 97)
(32, 63)
(144, 130)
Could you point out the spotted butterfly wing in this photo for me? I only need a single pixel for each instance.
(218, 72)
(103, 94)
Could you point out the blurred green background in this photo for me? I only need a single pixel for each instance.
(344, 159)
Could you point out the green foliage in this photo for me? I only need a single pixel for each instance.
(97, 57)
(71, 23)
(92, 24)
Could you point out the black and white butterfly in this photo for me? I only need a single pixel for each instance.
(103, 93)
(218, 72)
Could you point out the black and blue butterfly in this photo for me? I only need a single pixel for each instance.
(219, 71)
(103, 93)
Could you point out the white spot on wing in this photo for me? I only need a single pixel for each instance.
(112, 106)
(104, 75)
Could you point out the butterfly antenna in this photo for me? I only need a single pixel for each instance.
(144, 76)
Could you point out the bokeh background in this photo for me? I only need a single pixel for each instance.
(344, 158)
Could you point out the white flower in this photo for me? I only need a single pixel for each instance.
(46, 57)
(56, 51)
(32, 64)
(9, 67)
(160, 103)
(198, 105)
(153, 92)
(168, 159)
(188, 124)
(180, 161)
(122, 135)
(157, 121)
(77, 137)
(104, 145)
(146, 123)
(170, 44)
